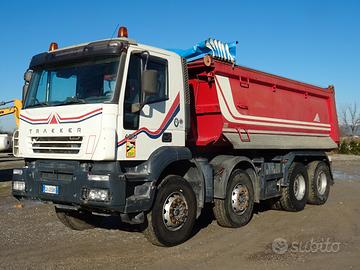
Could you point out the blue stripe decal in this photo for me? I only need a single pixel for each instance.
(39, 123)
(77, 121)
(155, 136)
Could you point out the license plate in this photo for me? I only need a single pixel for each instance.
(50, 189)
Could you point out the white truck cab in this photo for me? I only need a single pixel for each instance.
(91, 108)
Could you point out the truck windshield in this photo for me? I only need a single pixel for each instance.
(88, 82)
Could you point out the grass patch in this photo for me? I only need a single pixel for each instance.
(349, 146)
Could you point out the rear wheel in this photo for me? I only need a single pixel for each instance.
(294, 196)
(172, 218)
(76, 220)
(319, 182)
(237, 207)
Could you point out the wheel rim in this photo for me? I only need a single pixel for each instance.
(299, 187)
(240, 199)
(175, 211)
(321, 183)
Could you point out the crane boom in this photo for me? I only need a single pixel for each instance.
(15, 109)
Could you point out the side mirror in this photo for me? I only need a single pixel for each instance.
(24, 91)
(27, 75)
(149, 82)
(136, 107)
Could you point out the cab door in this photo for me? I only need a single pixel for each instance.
(149, 121)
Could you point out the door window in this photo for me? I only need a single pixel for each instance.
(133, 93)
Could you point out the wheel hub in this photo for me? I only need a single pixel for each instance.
(239, 199)
(321, 183)
(175, 211)
(299, 187)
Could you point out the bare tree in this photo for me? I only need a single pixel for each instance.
(350, 116)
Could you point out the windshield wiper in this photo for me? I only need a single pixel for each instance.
(72, 100)
(39, 104)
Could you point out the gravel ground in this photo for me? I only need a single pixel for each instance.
(320, 237)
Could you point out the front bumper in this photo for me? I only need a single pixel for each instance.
(71, 179)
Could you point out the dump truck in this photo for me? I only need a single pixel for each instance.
(118, 128)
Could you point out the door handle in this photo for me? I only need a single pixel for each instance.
(166, 137)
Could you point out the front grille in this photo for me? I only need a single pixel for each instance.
(56, 145)
(56, 176)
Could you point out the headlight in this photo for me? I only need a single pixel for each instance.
(94, 177)
(19, 185)
(98, 195)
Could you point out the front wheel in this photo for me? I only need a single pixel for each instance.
(172, 218)
(237, 208)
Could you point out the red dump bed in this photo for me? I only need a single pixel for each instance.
(251, 109)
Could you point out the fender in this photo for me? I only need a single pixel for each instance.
(163, 157)
(223, 166)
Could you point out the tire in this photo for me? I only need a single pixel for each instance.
(230, 212)
(164, 228)
(319, 182)
(294, 196)
(76, 220)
